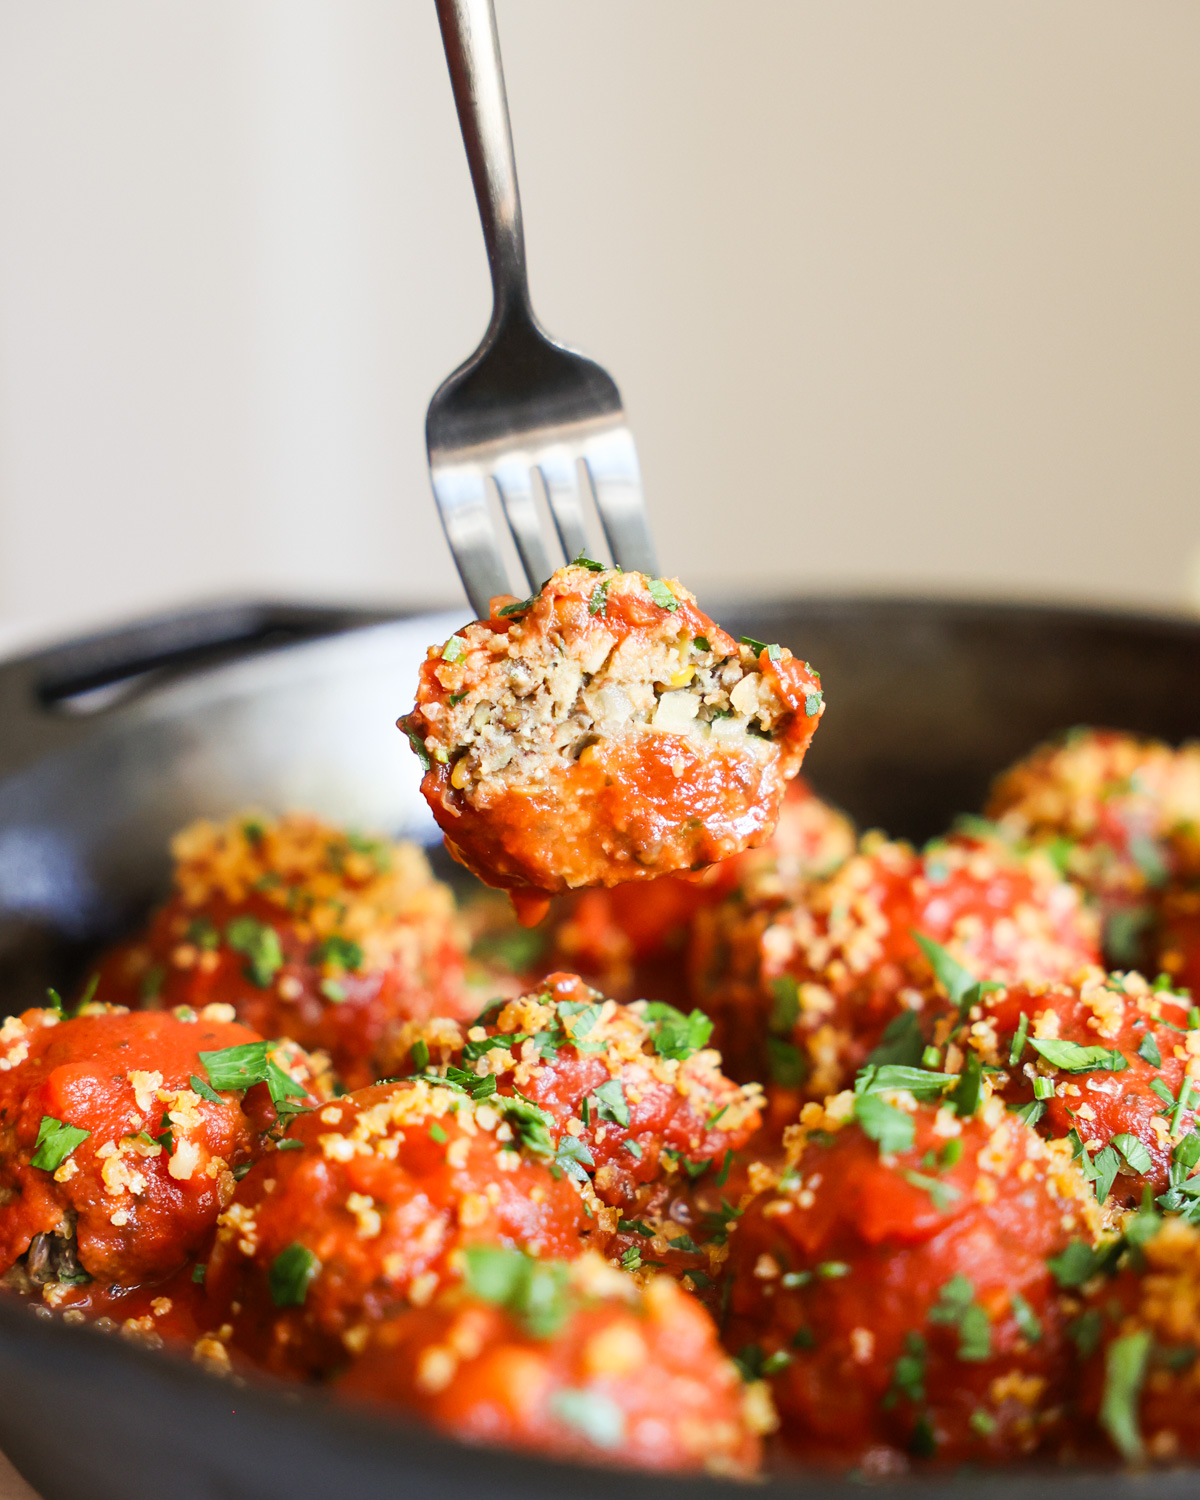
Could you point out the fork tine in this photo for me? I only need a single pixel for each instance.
(557, 468)
(461, 495)
(612, 466)
(515, 483)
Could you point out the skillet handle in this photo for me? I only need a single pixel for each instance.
(49, 699)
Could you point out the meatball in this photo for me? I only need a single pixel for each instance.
(121, 1134)
(823, 978)
(363, 1209)
(894, 1286)
(1137, 1331)
(631, 940)
(1120, 814)
(572, 1361)
(627, 1093)
(309, 932)
(1106, 1060)
(603, 731)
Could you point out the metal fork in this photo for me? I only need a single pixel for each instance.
(522, 402)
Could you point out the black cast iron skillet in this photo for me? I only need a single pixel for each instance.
(108, 745)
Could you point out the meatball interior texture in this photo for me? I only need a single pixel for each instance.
(309, 932)
(114, 1164)
(1106, 1060)
(821, 976)
(1137, 1332)
(628, 1093)
(606, 730)
(365, 1207)
(894, 1286)
(1121, 813)
(572, 1360)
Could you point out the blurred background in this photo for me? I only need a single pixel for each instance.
(903, 297)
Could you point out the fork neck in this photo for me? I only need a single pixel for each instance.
(477, 78)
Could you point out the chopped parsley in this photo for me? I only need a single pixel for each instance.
(341, 952)
(415, 739)
(702, 643)
(534, 1292)
(1136, 1156)
(965, 1097)
(598, 603)
(510, 610)
(1079, 1262)
(573, 1156)
(1124, 1372)
(259, 942)
(291, 1273)
(611, 1103)
(1030, 1114)
(901, 1043)
(882, 1122)
(55, 1142)
(591, 1413)
(1073, 1058)
(1148, 1051)
(908, 1373)
(662, 595)
(674, 1035)
(509, 1040)
(242, 1067)
(956, 1306)
(960, 984)
(922, 1083)
(531, 1124)
(419, 1052)
(438, 1134)
(813, 702)
(1086, 1331)
(1018, 1041)
(1026, 1319)
(205, 1090)
(198, 1273)
(785, 1062)
(203, 934)
(583, 561)
(944, 1195)
(454, 649)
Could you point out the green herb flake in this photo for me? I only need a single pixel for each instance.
(340, 952)
(884, 1123)
(1026, 1319)
(785, 1063)
(1148, 1051)
(943, 1195)
(292, 1271)
(436, 1133)
(1073, 1058)
(198, 1086)
(1086, 1331)
(662, 595)
(198, 1273)
(957, 982)
(1018, 1041)
(409, 726)
(1124, 1372)
(1137, 1158)
(583, 561)
(674, 1035)
(965, 1098)
(234, 1068)
(534, 1292)
(908, 1373)
(419, 1052)
(454, 649)
(55, 1142)
(1078, 1263)
(902, 1043)
(598, 603)
(702, 643)
(813, 702)
(260, 944)
(611, 1102)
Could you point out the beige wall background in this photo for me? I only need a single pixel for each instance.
(900, 295)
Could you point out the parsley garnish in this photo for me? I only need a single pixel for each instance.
(922, 1083)
(530, 1122)
(1086, 1331)
(882, 1122)
(1026, 1319)
(702, 643)
(944, 1195)
(291, 1272)
(55, 1142)
(674, 1035)
(1148, 1051)
(454, 649)
(260, 945)
(1135, 1154)
(205, 1091)
(596, 1416)
(1124, 1371)
(611, 1103)
(786, 1063)
(533, 1292)
(662, 595)
(956, 1306)
(509, 1040)
(510, 610)
(1073, 1058)
(342, 952)
(573, 1156)
(901, 1042)
(1018, 1041)
(960, 984)
(198, 1273)
(1078, 1263)
(813, 702)
(598, 603)
(965, 1098)
(908, 1373)
(415, 739)
(582, 561)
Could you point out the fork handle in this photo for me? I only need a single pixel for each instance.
(477, 77)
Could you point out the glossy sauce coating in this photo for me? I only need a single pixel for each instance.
(382, 1189)
(880, 1292)
(606, 731)
(1129, 1050)
(828, 970)
(639, 1095)
(306, 931)
(626, 1377)
(132, 1206)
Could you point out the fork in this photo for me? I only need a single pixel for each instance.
(522, 402)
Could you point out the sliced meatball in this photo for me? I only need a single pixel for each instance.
(894, 1285)
(1120, 813)
(817, 981)
(1106, 1060)
(365, 1207)
(626, 1094)
(121, 1134)
(606, 730)
(307, 931)
(568, 1360)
